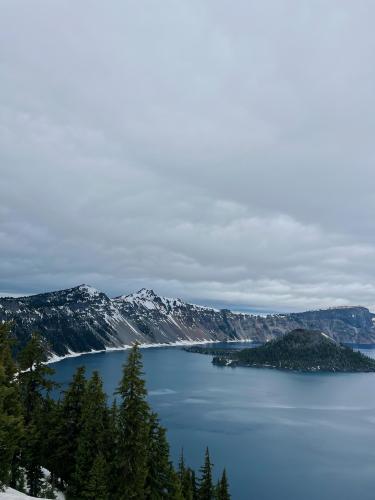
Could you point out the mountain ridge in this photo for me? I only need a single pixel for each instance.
(82, 318)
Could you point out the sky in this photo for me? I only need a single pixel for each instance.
(218, 151)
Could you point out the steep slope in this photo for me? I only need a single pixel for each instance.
(82, 318)
(74, 320)
(168, 320)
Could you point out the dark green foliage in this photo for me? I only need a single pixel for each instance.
(96, 487)
(93, 452)
(34, 377)
(161, 482)
(206, 489)
(91, 442)
(133, 431)
(11, 422)
(194, 488)
(34, 384)
(222, 488)
(307, 350)
(68, 427)
(303, 350)
(186, 478)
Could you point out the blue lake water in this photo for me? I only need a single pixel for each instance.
(280, 435)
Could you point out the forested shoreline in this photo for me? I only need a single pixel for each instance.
(299, 350)
(91, 450)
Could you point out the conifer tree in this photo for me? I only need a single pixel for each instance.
(91, 442)
(34, 383)
(97, 485)
(113, 416)
(133, 431)
(194, 488)
(222, 489)
(11, 422)
(68, 427)
(181, 465)
(162, 481)
(185, 477)
(206, 489)
(49, 423)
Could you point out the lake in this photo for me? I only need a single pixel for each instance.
(281, 435)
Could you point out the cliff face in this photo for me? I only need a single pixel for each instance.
(82, 319)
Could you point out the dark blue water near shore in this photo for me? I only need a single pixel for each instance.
(281, 435)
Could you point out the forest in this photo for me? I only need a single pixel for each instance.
(79, 445)
(300, 350)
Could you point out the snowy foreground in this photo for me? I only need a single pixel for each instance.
(11, 494)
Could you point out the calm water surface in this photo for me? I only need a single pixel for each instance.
(279, 434)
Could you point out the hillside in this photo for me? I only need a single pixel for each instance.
(82, 319)
(304, 350)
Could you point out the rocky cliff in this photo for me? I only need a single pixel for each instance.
(82, 318)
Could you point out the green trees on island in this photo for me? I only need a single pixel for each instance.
(88, 449)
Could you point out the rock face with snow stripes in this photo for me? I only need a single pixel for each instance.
(82, 319)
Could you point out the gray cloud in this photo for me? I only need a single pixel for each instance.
(223, 153)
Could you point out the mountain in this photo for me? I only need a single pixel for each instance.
(303, 350)
(82, 319)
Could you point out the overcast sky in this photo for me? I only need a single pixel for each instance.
(218, 151)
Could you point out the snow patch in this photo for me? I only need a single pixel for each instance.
(93, 292)
(11, 494)
(54, 358)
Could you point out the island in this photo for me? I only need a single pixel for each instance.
(300, 350)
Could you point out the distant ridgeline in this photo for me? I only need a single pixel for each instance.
(82, 319)
(302, 350)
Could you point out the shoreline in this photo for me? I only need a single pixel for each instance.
(56, 359)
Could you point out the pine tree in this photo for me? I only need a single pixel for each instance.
(133, 431)
(194, 488)
(68, 427)
(206, 489)
(96, 486)
(91, 440)
(49, 422)
(185, 477)
(162, 481)
(222, 489)
(181, 466)
(34, 383)
(11, 422)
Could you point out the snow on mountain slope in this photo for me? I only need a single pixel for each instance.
(83, 319)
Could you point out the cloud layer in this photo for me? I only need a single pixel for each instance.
(223, 153)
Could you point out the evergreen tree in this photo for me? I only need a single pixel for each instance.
(181, 466)
(35, 384)
(112, 430)
(11, 422)
(49, 422)
(206, 489)
(68, 427)
(222, 489)
(194, 488)
(133, 431)
(91, 442)
(96, 486)
(162, 481)
(185, 477)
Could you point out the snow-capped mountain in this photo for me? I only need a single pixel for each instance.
(82, 318)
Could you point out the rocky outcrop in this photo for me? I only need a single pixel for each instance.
(82, 318)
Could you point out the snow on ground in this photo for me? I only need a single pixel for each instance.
(11, 494)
